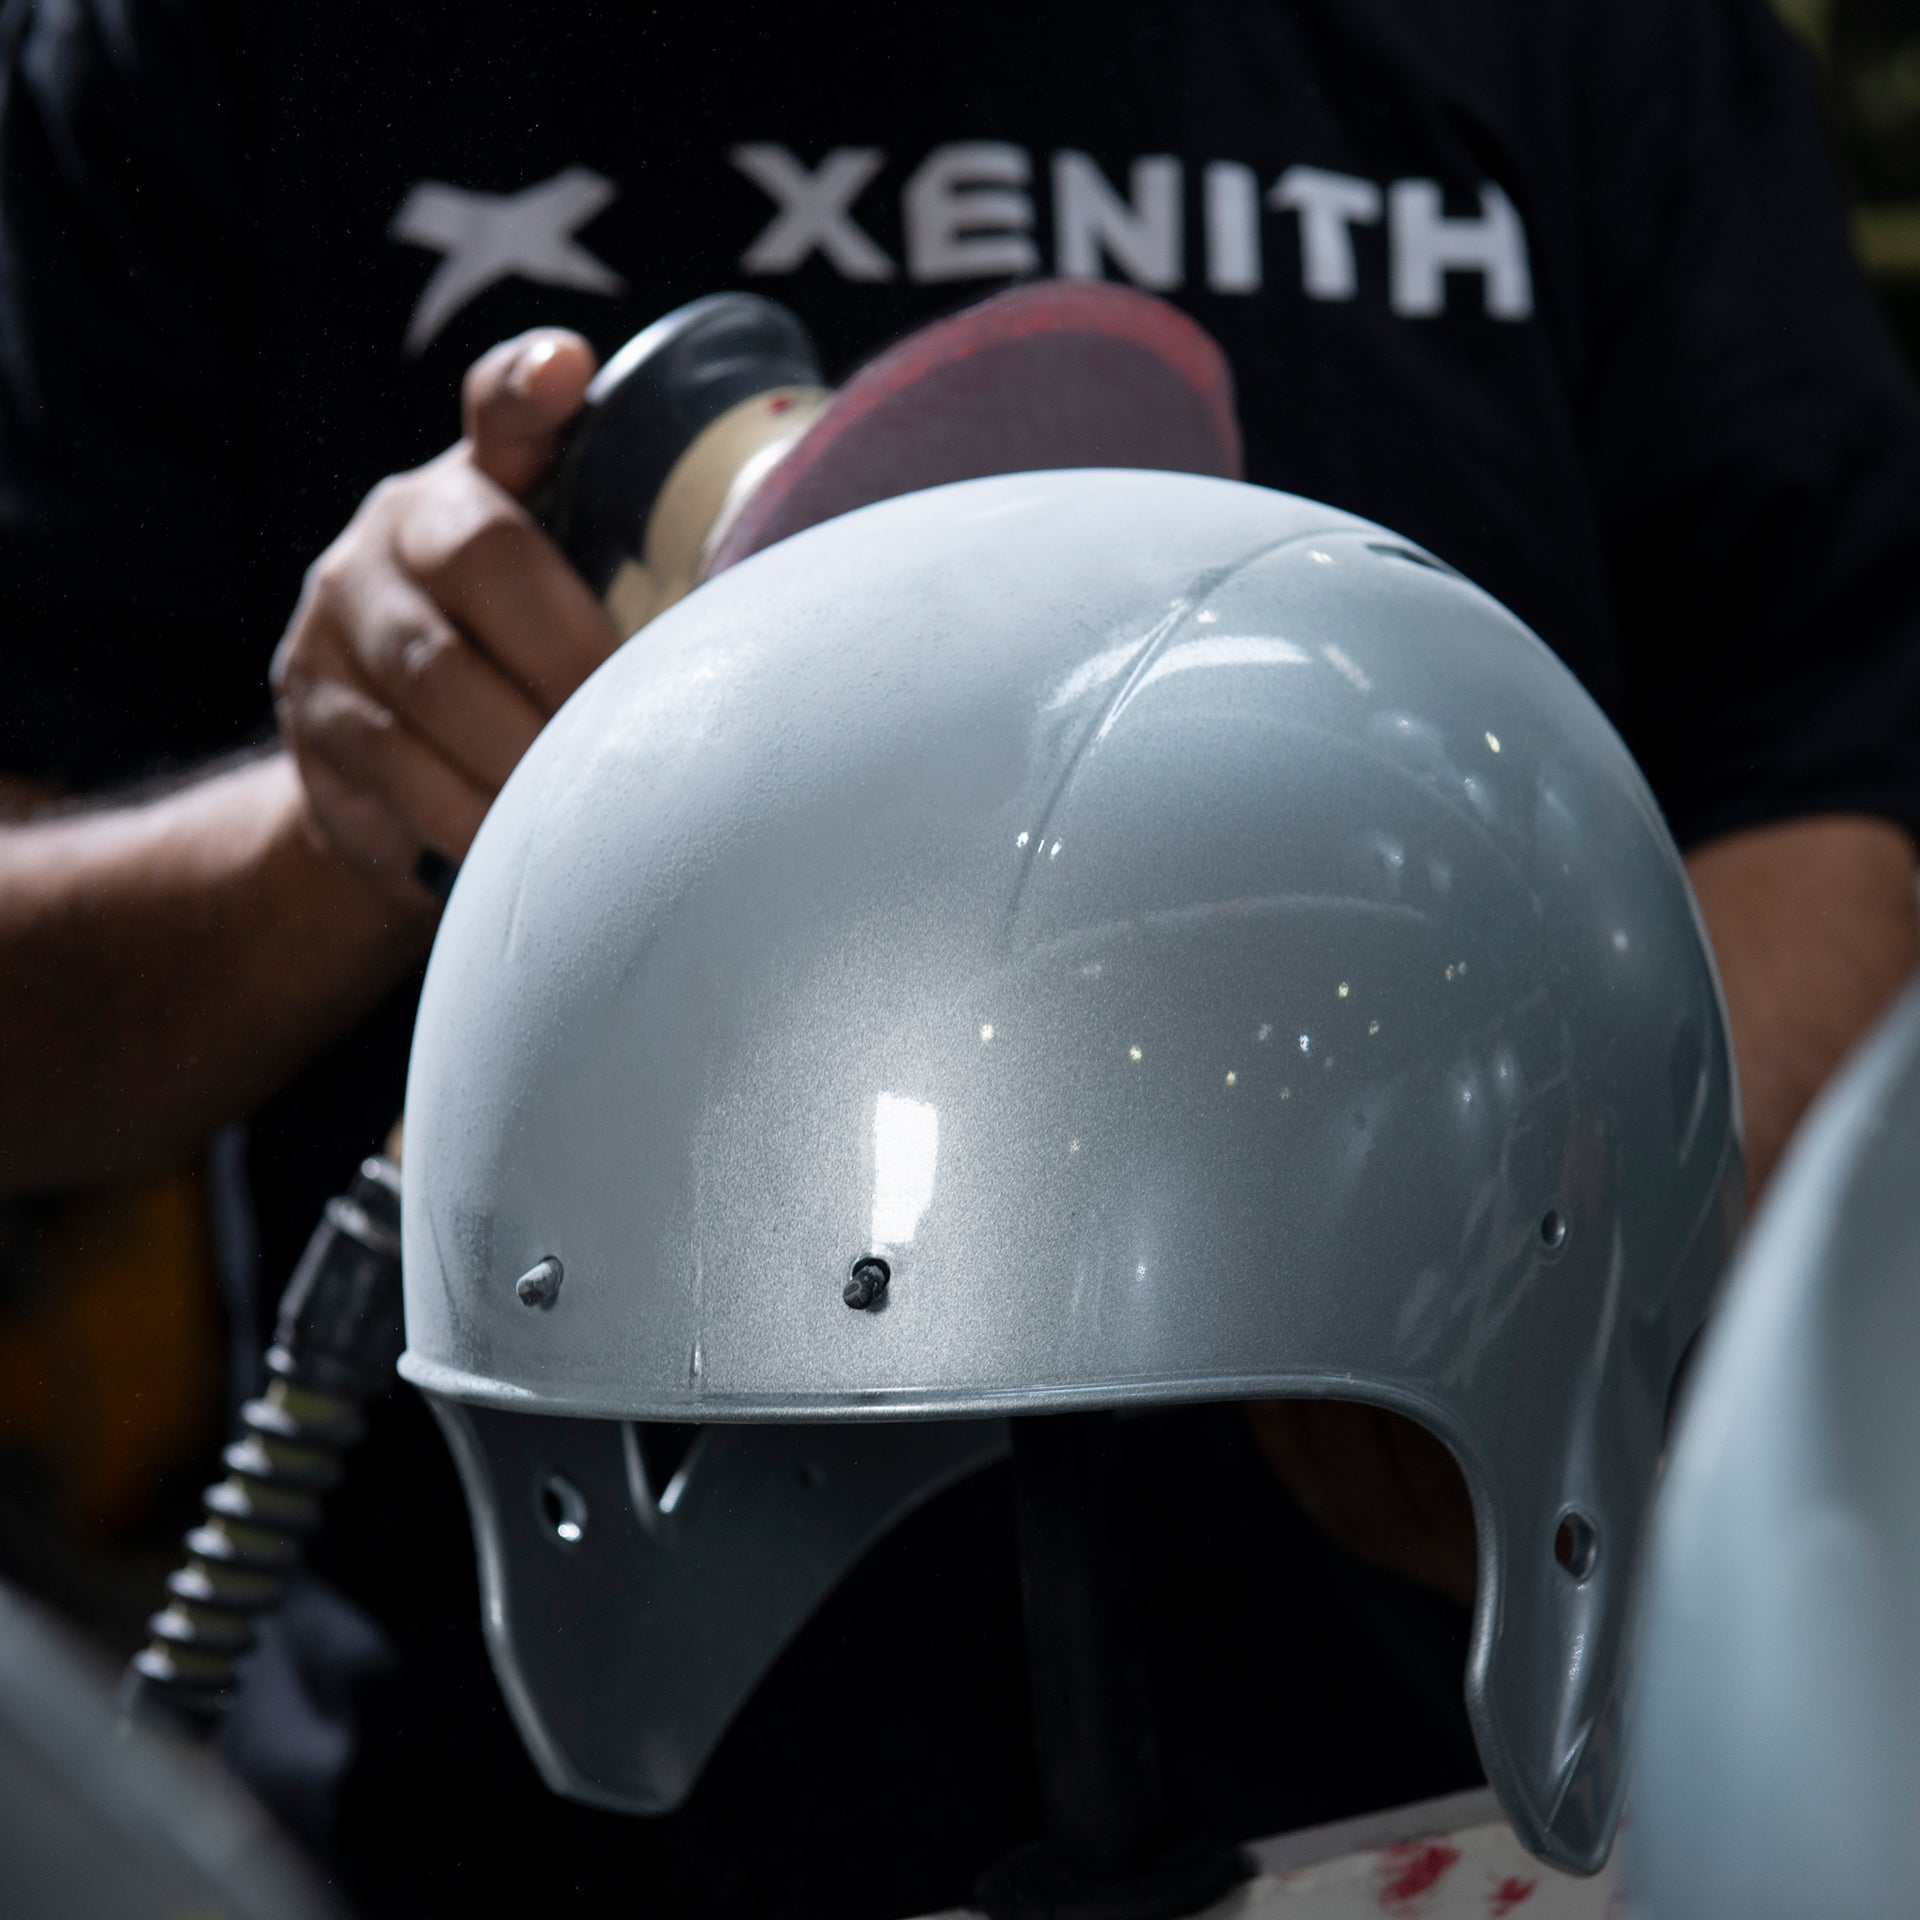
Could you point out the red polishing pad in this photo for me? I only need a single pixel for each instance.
(1057, 374)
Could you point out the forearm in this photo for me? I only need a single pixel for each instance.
(1814, 928)
(167, 965)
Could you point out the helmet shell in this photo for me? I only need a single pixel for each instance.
(1777, 1744)
(1202, 945)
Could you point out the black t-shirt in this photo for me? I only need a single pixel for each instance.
(1558, 288)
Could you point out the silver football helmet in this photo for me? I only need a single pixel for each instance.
(1778, 1744)
(1067, 940)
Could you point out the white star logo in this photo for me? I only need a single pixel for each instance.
(491, 236)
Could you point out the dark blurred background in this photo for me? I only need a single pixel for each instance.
(1870, 50)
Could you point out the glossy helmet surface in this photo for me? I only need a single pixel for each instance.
(1778, 1739)
(1200, 944)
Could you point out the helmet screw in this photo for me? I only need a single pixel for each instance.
(539, 1286)
(866, 1283)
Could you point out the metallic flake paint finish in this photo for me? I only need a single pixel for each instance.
(1203, 945)
(1777, 1751)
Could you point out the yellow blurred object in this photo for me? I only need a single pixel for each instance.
(1888, 238)
(1811, 18)
(110, 1348)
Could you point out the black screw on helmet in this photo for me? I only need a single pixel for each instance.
(866, 1283)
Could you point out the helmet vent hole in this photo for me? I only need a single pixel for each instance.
(1576, 1545)
(563, 1509)
(1553, 1229)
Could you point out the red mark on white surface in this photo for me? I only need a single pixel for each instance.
(780, 403)
(1510, 1893)
(1412, 1870)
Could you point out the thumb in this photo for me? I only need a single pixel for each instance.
(516, 401)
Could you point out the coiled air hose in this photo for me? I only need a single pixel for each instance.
(335, 1344)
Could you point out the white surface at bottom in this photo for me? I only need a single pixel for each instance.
(1452, 1859)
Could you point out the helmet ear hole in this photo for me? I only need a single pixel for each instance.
(1576, 1545)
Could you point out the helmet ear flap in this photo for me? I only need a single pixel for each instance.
(678, 1593)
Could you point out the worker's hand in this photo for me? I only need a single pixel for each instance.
(436, 635)
(1385, 1489)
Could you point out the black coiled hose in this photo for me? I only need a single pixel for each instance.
(335, 1345)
